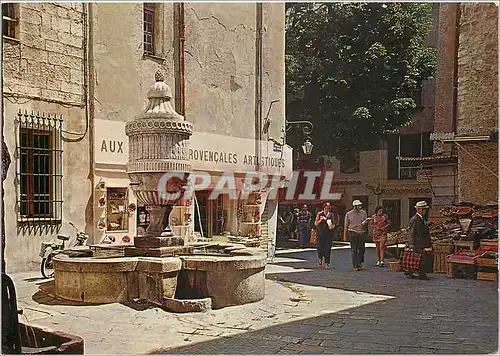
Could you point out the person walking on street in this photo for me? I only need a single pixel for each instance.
(380, 225)
(293, 222)
(303, 222)
(325, 222)
(354, 230)
(419, 243)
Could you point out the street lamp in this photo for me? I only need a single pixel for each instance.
(307, 147)
(307, 128)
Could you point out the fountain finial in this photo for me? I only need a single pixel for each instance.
(159, 76)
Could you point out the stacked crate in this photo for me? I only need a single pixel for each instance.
(440, 251)
(487, 268)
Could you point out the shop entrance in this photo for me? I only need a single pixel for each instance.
(210, 215)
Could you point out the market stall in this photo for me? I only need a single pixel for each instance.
(464, 243)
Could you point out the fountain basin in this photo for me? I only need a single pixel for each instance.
(226, 278)
(41, 340)
(110, 280)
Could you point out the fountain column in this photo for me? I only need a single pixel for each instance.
(158, 145)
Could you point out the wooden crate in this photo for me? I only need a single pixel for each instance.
(440, 251)
(443, 247)
(456, 267)
(487, 276)
(440, 264)
(486, 262)
(489, 242)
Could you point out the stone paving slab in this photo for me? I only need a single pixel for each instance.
(306, 310)
(439, 316)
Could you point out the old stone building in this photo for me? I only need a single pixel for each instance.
(458, 125)
(45, 125)
(93, 64)
(466, 121)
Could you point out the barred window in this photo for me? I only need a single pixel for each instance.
(39, 168)
(149, 28)
(10, 20)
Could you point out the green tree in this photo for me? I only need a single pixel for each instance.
(351, 69)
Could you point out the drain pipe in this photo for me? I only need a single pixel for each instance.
(90, 107)
(182, 39)
(258, 83)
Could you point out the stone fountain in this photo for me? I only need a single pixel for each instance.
(158, 144)
(162, 267)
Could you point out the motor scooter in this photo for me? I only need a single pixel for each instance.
(50, 249)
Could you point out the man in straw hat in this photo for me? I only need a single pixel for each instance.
(355, 230)
(420, 242)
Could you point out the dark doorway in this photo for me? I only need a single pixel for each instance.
(212, 215)
(392, 208)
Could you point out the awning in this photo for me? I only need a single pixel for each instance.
(428, 159)
(308, 202)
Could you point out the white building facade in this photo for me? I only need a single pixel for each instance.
(93, 64)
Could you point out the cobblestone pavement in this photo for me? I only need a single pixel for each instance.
(438, 316)
(309, 310)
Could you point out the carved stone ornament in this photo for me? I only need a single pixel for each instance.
(158, 144)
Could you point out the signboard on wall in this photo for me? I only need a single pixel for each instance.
(212, 152)
(208, 152)
(110, 142)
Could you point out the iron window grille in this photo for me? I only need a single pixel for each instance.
(10, 20)
(39, 168)
(149, 28)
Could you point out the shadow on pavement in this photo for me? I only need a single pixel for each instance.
(46, 295)
(443, 316)
(371, 328)
(139, 306)
(35, 279)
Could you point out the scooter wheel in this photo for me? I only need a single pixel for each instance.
(47, 267)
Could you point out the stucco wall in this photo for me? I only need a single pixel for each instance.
(220, 55)
(122, 77)
(22, 244)
(221, 67)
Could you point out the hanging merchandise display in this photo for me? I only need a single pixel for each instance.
(101, 224)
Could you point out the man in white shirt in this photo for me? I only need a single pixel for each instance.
(354, 230)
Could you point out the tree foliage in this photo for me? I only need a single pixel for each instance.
(351, 68)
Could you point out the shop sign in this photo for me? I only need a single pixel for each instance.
(110, 142)
(208, 152)
(212, 152)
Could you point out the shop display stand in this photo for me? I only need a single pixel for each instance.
(249, 221)
(180, 220)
